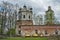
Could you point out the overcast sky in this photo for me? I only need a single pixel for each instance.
(39, 6)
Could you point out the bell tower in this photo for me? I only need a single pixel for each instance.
(49, 16)
(25, 16)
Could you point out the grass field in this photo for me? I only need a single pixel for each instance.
(27, 38)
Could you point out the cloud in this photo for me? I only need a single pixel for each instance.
(53, 3)
(40, 6)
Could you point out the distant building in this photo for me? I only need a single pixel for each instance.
(25, 16)
(25, 27)
(49, 17)
(38, 20)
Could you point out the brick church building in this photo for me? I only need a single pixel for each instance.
(25, 27)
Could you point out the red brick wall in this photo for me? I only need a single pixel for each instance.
(41, 28)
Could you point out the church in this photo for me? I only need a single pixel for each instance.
(25, 26)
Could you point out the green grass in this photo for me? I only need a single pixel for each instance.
(26, 38)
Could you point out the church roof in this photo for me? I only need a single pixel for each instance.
(49, 9)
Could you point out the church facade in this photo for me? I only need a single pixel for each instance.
(25, 27)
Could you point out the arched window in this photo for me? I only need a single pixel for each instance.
(46, 32)
(19, 26)
(56, 32)
(19, 32)
(23, 16)
(29, 16)
(36, 31)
